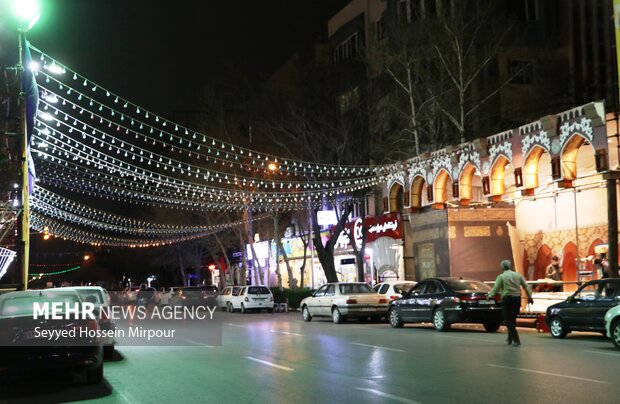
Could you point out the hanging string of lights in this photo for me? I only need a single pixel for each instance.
(40, 275)
(133, 114)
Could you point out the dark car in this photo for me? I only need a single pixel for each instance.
(445, 301)
(585, 309)
(192, 296)
(23, 350)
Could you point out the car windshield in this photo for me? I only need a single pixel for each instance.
(23, 305)
(403, 287)
(91, 296)
(461, 285)
(354, 288)
(258, 290)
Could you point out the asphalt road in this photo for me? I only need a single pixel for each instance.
(277, 358)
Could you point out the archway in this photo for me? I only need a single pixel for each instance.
(417, 191)
(543, 259)
(396, 198)
(466, 184)
(569, 266)
(569, 157)
(530, 167)
(442, 187)
(498, 172)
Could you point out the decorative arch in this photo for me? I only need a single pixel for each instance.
(466, 183)
(417, 191)
(569, 156)
(569, 265)
(530, 167)
(590, 263)
(498, 173)
(396, 197)
(543, 259)
(440, 187)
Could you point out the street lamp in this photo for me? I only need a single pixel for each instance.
(27, 14)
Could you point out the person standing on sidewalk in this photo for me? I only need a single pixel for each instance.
(510, 284)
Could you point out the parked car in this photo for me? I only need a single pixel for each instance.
(393, 289)
(101, 299)
(343, 300)
(252, 298)
(445, 301)
(164, 294)
(224, 298)
(22, 351)
(130, 294)
(612, 325)
(585, 309)
(194, 296)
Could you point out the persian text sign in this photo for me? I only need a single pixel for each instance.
(388, 225)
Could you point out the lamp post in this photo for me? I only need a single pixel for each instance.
(27, 14)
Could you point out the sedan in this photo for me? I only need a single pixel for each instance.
(341, 300)
(445, 301)
(585, 309)
(612, 325)
(393, 289)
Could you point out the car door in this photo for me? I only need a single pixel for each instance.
(578, 308)
(426, 301)
(328, 299)
(605, 299)
(408, 304)
(314, 302)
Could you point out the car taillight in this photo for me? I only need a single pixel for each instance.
(382, 301)
(394, 297)
(351, 301)
(271, 298)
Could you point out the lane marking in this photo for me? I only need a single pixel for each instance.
(236, 325)
(199, 343)
(549, 374)
(387, 395)
(604, 353)
(374, 377)
(378, 347)
(269, 363)
(287, 333)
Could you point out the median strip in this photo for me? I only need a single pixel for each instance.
(540, 372)
(387, 395)
(269, 364)
(378, 347)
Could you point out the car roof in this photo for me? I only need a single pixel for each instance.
(37, 292)
(395, 282)
(82, 288)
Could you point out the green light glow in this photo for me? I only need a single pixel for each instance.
(27, 11)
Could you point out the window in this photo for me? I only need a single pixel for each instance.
(321, 291)
(521, 71)
(431, 288)
(346, 49)
(330, 291)
(418, 288)
(380, 29)
(384, 289)
(354, 288)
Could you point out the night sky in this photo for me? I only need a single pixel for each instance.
(160, 53)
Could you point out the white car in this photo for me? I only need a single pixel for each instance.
(612, 325)
(101, 299)
(225, 297)
(252, 298)
(393, 290)
(164, 294)
(341, 300)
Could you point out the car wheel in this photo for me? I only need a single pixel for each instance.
(557, 327)
(337, 317)
(395, 320)
(108, 351)
(491, 326)
(243, 309)
(439, 320)
(95, 376)
(305, 314)
(615, 333)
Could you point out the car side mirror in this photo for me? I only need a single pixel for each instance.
(570, 298)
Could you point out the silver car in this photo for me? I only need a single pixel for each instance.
(342, 300)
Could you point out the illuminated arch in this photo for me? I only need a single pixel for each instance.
(396, 197)
(530, 167)
(498, 173)
(441, 187)
(417, 191)
(466, 182)
(569, 156)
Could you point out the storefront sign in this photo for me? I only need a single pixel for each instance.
(389, 225)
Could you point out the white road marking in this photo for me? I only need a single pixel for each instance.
(378, 347)
(287, 333)
(386, 395)
(199, 343)
(269, 363)
(549, 374)
(374, 377)
(236, 325)
(604, 353)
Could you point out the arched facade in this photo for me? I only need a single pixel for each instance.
(396, 197)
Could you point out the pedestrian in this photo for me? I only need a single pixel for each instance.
(510, 284)
(554, 272)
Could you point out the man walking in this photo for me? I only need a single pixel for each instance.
(510, 283)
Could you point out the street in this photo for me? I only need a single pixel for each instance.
(277, 358)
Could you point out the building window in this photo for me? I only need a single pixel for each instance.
(346, 49)
(380, 29)
(521, 71)
(348, 100)
(531, 10)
